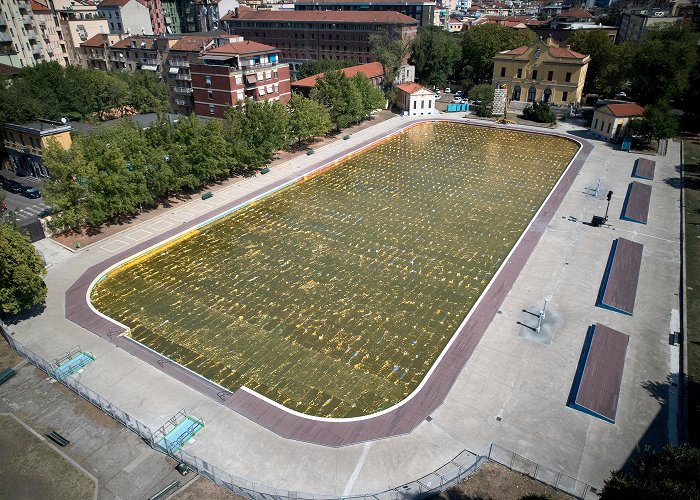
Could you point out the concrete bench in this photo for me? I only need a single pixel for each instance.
(57, 438)
(6, 375)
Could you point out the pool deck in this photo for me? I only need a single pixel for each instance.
(512, 391)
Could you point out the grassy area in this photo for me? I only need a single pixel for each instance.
(8, 356)
(29, 469)
(495, 481)
(691, 161)
(201, 487)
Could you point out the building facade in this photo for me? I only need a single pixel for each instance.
(126, 16)
(542, 72)
(25, 144)
(20, 44)
(315, 35)
(415, 100)
(94, 52)
(422, 11)
(610, 122)
(637, 22)
(79, 23)
(234, 72)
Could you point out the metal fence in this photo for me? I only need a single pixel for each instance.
(457, 469)
(557, 480)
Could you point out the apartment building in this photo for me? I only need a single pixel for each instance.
(25, 144)
(19, 43)
(234, 72)
(78, 23)
(94, 53)
(635, 23)
(48, 30)
(314, 35)
(126, 16)
(422, 11)
(146, 52)
(542, 72)
(183, 53)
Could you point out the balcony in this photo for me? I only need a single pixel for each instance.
(22, 4)
(182, 90)
(150, 62)
(179, 64)
(5, 37)
(31, 35)
(27, 19)
(2, 21)
(186, 78)
(180, 102)
(36, 49)
(249, 67)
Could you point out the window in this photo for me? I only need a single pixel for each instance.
(503, 71)
(564, 96)
(595, 125)
(111, 26)
(422, 104)
(119, 25)
(550, 76)
(531, 93)
(415, 104)
(261, 91)
(210, 94)
(534, 74)
(430, 104)
(520, 72)
(207, 80)
(568, 77)
(211, 109)
(239, 79)
(547, 95)
(516, 93)
(609, 127)
(277, 87)
(116, 14)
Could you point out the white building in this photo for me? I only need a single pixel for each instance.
(415, 100)
(126, 16)
(610, 122)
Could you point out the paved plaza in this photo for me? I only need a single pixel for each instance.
(513, 389)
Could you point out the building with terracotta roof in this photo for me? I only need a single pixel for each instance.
(94, 52)
(422, 11)
(316, 35)
(542, 72)
(229, 74)
(415, 100)
(78, 22)
(183, 53)
(374, 71)
(49, 41)
(610, 122)
(127, 16)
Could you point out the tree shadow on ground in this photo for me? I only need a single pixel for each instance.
(32, 312)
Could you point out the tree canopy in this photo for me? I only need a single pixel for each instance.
(658, 122)
(349, 100)
(539, 112)
(391, 48)
(484, 95)
(307, 118)
(480, 45)
(606, 73)
(310, 68)
(435, 55)
(48, 90)
(670, 474)
(21, 271)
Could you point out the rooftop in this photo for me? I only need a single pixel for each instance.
(338, 16)
(38, 7)
(119, 3)
(365, 2)
(576, 12)
(240, 48)
(411, 87)
(370, 70)
(42, 127)
(192, 43)
(7, 70)
(95, 41)
(626, 109)
(560, 52)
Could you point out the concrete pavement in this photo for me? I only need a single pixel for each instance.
(513, 390)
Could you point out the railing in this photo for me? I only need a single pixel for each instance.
(456, 470)
(553, 478)
(180, 102)
(183, 77)
(27, 18)
(182, 90)
(179, 64)
(248, 67)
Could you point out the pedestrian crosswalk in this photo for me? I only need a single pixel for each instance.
(31, 211)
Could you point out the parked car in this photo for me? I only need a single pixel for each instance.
(459, 93)
(448, 90)
(11, 186)
(31, 192)
(457, 100)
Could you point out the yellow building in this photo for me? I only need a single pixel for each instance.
(542, 72)
(25, 144)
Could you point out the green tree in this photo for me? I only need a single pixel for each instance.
(371, 97)
(435, 54)
(391, 48)
(539, 112)
(147, 93)
(670, 474)
(341, 97)
(109, 91)
(662, 63)
(310, 68)
(21, 271)
(659, 122)
(604, 75)
(484, 95)
(480, 45)
(307, 118)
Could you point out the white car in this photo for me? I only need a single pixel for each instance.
(457, 100)
(448, 90)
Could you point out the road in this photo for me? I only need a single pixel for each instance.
(27, 209)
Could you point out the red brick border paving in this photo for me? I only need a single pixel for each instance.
(336, 432)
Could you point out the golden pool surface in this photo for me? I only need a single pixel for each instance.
(334, 296)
